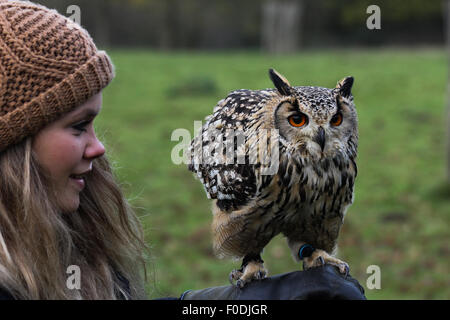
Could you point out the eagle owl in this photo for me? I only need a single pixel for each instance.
(301, 184)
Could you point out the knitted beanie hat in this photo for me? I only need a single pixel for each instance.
(48, 66)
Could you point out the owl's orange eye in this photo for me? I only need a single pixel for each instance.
(336, 120)
(298, 120)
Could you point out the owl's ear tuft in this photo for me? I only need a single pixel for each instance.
(280, 82)
(345, 86)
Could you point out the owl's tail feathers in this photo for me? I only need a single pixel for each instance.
(227, 241)
(229, 234)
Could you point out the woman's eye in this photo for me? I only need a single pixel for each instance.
(81, 126)
(336, 120)
(298, 120)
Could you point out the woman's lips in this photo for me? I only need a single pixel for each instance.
(79, 182)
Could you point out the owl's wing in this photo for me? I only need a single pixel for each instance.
(218, 156)
(232, 186)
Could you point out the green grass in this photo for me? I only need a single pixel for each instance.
(400, 217)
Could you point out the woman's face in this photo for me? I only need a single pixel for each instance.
(66, 149)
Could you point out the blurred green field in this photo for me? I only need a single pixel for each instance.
(400, 217)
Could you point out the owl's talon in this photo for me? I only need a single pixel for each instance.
(240, 283)
(320, 258)
(344, 269)
(253, 270)
(236, 274)
(260, 275)
(321, 261)
(230, 279)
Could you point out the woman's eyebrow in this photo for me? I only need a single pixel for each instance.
(87, 113)
(84, 115)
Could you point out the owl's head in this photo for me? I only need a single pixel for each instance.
(316, 122)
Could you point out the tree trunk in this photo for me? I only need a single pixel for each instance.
(281, 23)
(447, 39)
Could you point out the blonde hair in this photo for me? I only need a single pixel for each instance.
(38, 243)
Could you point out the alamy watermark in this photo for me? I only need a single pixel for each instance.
(73, 281)
(374, 20)
(226, 147)
(374, 280)
(75, 14)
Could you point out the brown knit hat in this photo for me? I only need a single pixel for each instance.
(48, 66)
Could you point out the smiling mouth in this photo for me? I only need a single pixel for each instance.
(77, 176)
(80, 176)
(79, 179)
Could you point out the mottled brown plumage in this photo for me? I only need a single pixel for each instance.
(278, 161)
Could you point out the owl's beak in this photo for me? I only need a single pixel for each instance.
(320, 138)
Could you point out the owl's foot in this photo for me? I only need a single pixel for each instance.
(235, 275)
(320, 257)
(250, 270)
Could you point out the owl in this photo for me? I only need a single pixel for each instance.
(274, 161)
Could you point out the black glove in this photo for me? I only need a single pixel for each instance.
(323, 282)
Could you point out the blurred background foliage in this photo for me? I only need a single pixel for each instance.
(176, 58)
(225, 24)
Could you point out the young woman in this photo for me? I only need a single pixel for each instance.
(66, 229)
(61, 209)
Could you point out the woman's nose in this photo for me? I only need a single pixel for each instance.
(95, 149)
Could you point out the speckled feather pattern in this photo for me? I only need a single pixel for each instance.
(305, 199)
